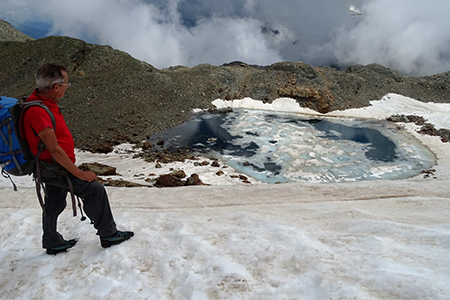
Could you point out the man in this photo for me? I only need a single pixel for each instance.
(58, 165)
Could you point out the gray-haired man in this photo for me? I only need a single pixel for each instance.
(58, 165)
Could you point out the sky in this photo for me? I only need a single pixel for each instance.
(373, 239)
(411, 36)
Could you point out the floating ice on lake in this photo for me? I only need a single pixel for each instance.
(281, 147)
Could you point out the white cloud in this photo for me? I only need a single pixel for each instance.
(412, 36)
(220, 40)
(14, 10)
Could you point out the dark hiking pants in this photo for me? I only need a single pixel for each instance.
(95, 205)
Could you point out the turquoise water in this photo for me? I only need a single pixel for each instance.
(281, 147)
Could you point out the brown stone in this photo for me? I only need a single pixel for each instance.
(167, 180)
(98, 169)
(179, 174)
(194, 180)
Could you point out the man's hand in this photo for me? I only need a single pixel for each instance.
(86, 176)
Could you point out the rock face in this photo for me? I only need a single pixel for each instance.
(8, 33)
(115, 98)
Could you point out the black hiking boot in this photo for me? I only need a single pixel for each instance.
(116, 238)
(62, 248)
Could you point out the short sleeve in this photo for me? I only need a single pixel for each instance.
(38, 119)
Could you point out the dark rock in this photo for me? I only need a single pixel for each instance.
(418, 120)
(178, 174)
(445, 135)
(119, 183)
(169, 180)
(146, 146)
(243, 177)
(165, 156)
(99, 169)
(194, 180)
(106, 147)
(429, 173)
(427, 128)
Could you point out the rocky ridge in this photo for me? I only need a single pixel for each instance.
(115, 98)
(9, 33)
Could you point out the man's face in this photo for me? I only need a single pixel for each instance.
(61, 88)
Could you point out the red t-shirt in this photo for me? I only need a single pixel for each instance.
(36, 119)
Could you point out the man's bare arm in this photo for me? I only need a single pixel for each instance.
(48, 136)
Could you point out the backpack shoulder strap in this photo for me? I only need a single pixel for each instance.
(41, 146)
(26, 106)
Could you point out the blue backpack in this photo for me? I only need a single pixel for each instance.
(15, 155)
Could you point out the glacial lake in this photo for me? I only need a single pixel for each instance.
(282, 147)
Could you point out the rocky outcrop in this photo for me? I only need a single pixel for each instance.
(10, 34)
(115, 98)
(426, 128)
(175, 179)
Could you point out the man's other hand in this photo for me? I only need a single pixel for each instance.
(87, 176)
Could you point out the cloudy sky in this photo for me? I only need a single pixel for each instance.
(412, 36)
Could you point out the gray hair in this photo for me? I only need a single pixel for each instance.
(48, 75)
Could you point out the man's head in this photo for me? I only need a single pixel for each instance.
(52, 80)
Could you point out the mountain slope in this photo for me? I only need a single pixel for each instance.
(115, 98)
